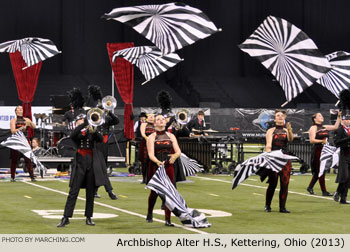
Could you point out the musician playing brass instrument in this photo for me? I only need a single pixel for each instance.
(88, 170)
(109, 118)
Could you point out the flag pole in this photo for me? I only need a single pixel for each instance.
(284, 104)
(112, 84)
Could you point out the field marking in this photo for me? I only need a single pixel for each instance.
(251, 179)
(116, 208)
(28, 197)
(212, 194)
(263, 187)
(259, 194)
(123, 196)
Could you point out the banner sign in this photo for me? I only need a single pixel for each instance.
(8, 112)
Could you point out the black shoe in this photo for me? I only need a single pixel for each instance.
(343, 200)
(13, 180)
(326, 194)
(149, 218)
(112, 195)
(267, 209)
(89, 221)
(64, 222)
(97, 195)
(310, 190)
(336, 196)
(283, 210)
(168, 223)
(33, 179)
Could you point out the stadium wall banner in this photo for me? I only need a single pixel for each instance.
(255, 122)
(8, 112)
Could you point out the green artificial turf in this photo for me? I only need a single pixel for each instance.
(204, 191)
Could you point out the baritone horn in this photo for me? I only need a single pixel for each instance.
(183, 117)
(109, 103)
(95, 117)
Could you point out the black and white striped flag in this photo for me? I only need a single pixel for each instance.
(338, 78)
(148, 59)
(20, 143)
(33, 50)
(329, 158)
(169, 26)
(189, 165)
(290, 55)
(161, 184)
(273, 160)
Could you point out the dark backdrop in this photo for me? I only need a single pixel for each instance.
(214, 69)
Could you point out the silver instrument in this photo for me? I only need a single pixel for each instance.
(109, 103)
(183, 116)
(95, 117)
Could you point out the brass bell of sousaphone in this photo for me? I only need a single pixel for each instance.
(183, 117)
(109, 103)
(95, 117)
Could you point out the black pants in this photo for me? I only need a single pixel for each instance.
(104, 149)
(284, 175)
(343, 176)
(89, 180)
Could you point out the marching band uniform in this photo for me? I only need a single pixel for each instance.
(88, 172)
(321, 134)
(15, 155)
(110, 120)
(279, 142)
(163, 147)
(342, 140)
(196, 124)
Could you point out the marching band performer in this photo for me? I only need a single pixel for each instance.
(137, 125)
(163, 149)
(319, 134)
(95, 100)
(110, 119)
(197, 125)
(277, 138)
(342, 140)
(16, 124)
(88, 169)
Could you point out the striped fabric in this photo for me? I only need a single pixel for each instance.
(329, 158)
(338, 78)
(290, 55)
(273, 160)
(148, 59)
(33, 50)
(161, 184)
(190, 166)
(20, 143)
(169, 26)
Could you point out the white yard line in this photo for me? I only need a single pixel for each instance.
(263, 187)
(115, 208)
